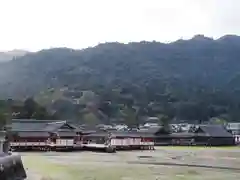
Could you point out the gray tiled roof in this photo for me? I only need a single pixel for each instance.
(33, 134)
(38, 125)
(121, 134)
(152, 130)
(23, 125)
(53, 126)
(66, 133)
(182, 134)
(215, 131)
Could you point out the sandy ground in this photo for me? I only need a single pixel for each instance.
(165, 163)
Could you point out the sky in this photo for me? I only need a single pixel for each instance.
(41, 24)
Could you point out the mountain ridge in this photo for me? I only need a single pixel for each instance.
(9, 55)
(186, 79)
(187, 51)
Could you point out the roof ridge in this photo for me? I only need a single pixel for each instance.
(32, 120)
(57, 122)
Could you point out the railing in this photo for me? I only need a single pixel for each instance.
(28, 144)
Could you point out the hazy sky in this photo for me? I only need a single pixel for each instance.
(37, 24)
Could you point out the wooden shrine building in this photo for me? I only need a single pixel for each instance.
(42, 134)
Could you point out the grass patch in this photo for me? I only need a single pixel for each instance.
(47, 169)
(92, 167)
(193, 172)
(57, 171)
(196, 147)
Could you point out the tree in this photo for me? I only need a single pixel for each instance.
(130, 116)
(30, 107)
(164, 121)
(32, 110)
(90, 119)
(218, 121)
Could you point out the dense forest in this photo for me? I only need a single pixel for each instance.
(192, 80)
(28, 109)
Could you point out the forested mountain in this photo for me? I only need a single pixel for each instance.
(192, 79)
